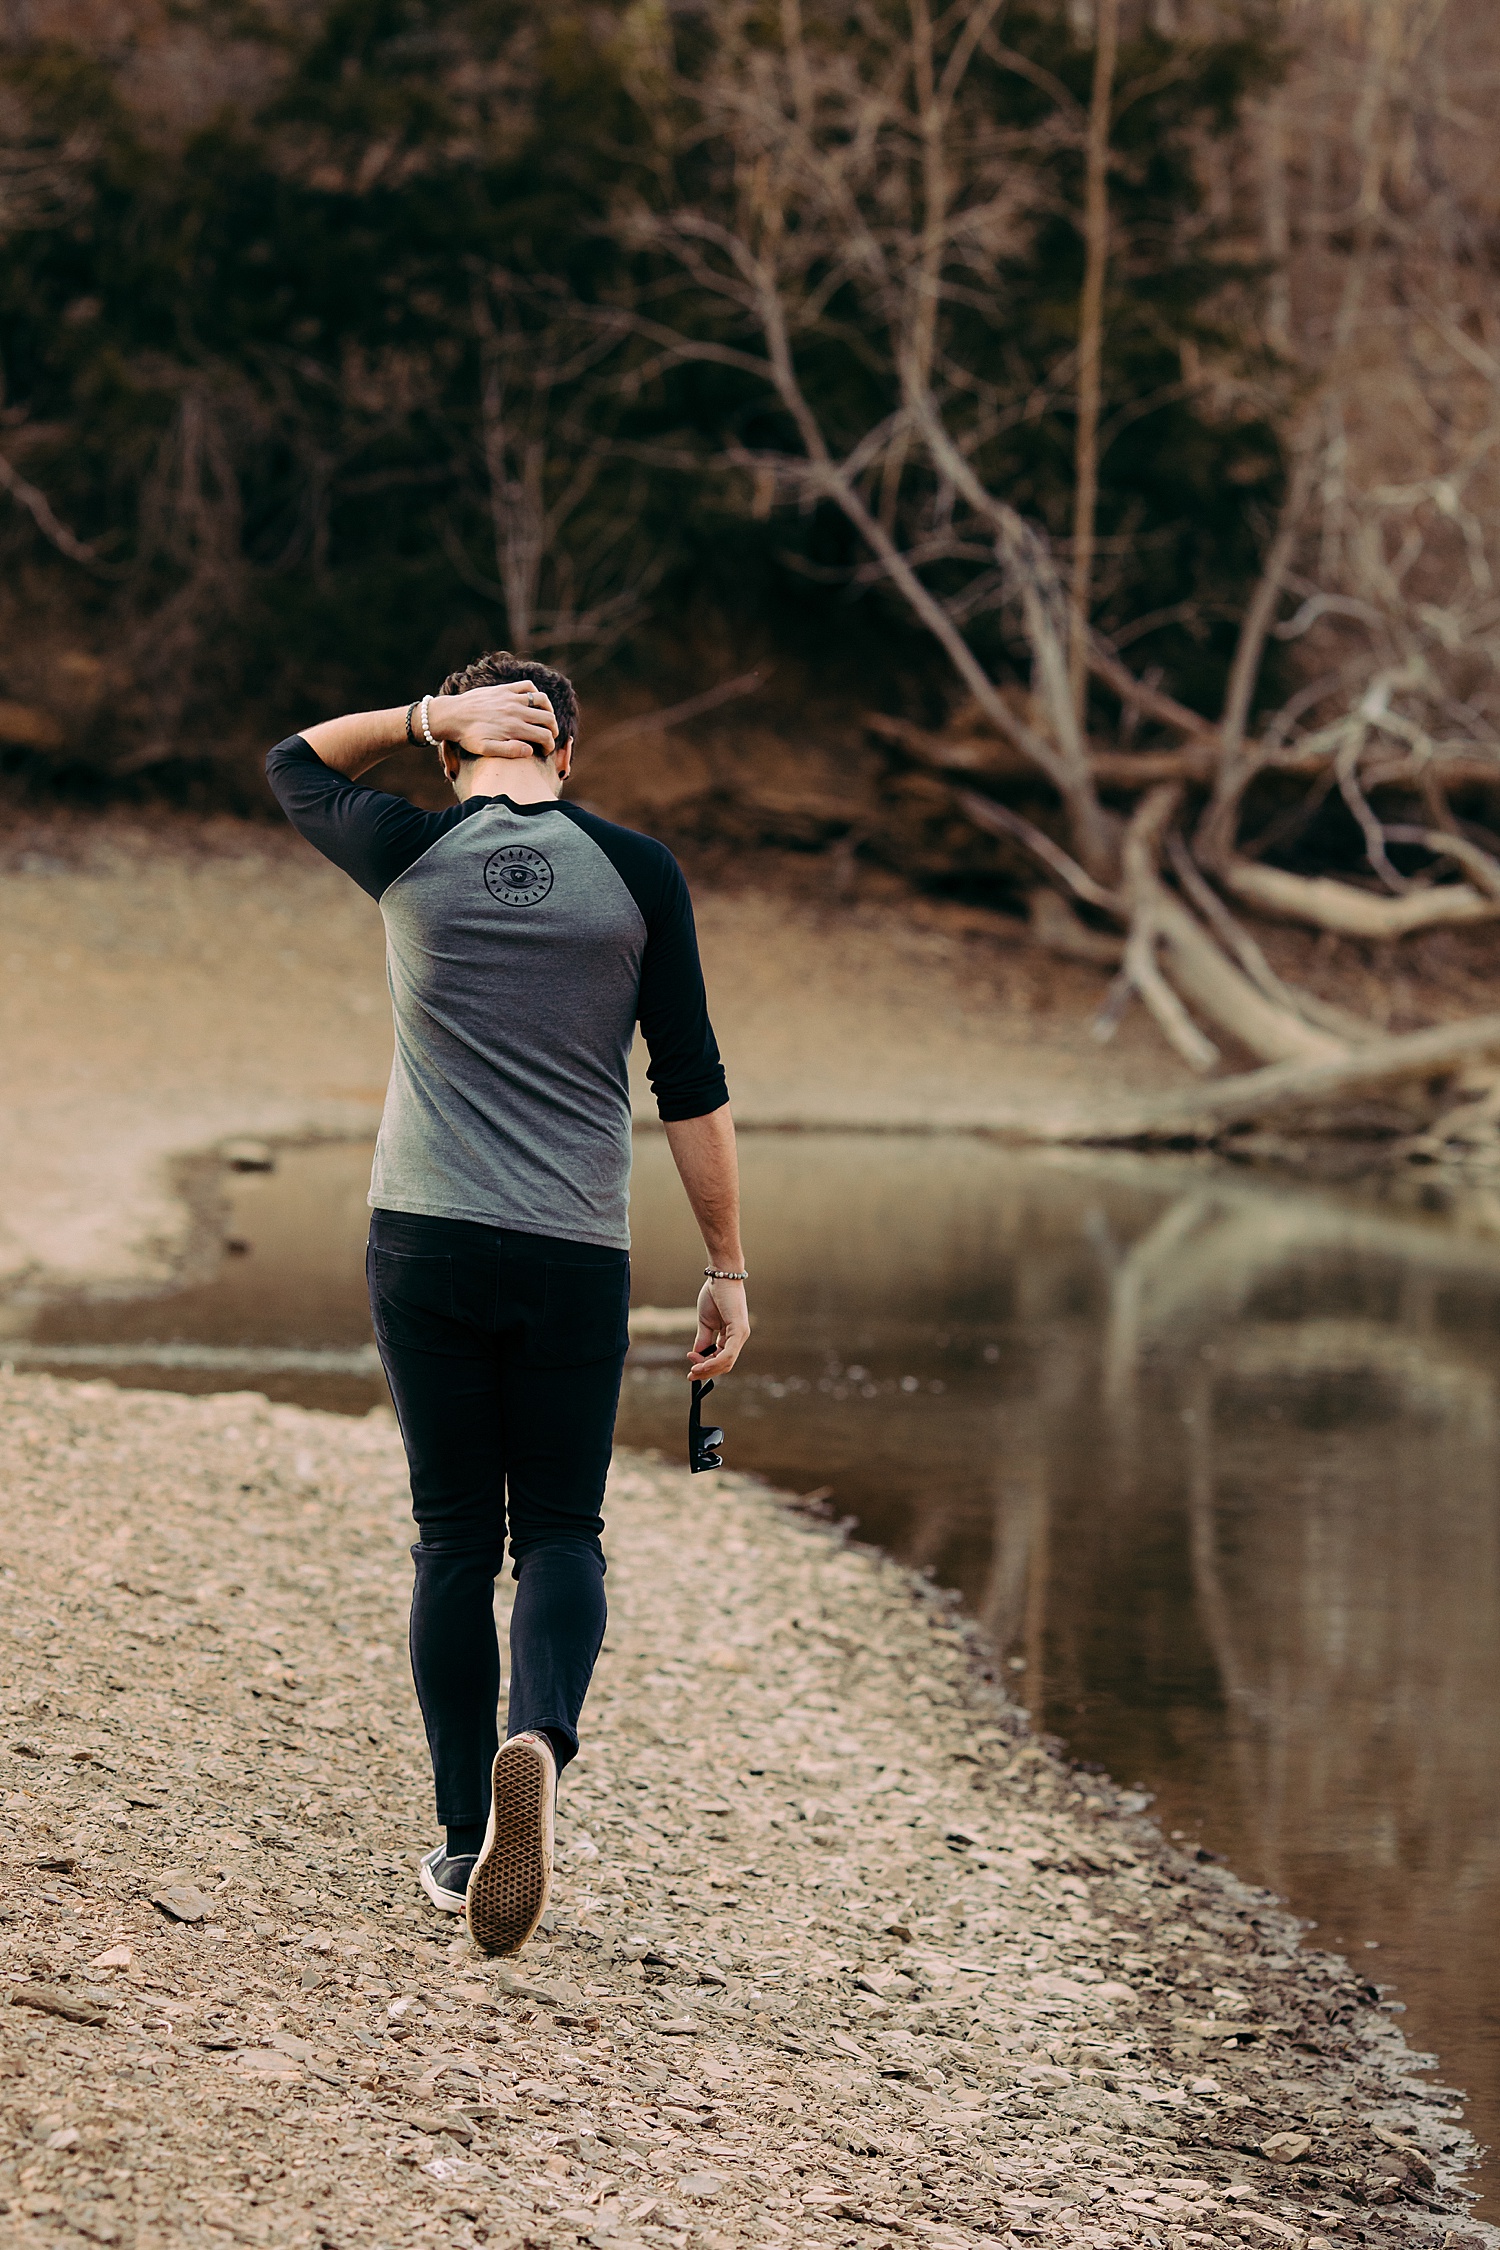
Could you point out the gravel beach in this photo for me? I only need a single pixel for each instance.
(839, 1952)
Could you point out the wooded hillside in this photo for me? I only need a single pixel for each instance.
(1067, 425)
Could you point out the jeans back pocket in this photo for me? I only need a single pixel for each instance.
(585, 1314)
(411, 1293)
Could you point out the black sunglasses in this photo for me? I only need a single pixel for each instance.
(703, 1444)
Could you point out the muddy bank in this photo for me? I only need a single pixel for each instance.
(840, 1953)
(164, 990)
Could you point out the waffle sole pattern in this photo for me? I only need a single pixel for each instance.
(507, 1892)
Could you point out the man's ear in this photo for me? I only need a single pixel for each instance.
(564, 756)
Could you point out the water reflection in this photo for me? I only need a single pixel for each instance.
(1332, 1382)
(1213, 1461)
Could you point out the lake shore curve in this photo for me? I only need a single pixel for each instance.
(841, 1952)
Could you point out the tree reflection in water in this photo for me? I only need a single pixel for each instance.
(1334, 1375)
(1215, 1461)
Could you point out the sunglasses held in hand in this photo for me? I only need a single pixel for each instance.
(703, 1444)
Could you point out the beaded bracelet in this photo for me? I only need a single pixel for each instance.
(717, 1273)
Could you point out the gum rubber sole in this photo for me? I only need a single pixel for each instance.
(507, 1893)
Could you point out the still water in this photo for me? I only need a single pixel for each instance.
(1214, 1461)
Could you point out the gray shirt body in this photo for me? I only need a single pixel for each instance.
(523, 944)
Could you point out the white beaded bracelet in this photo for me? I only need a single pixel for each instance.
(717, 1273)
(427, 734)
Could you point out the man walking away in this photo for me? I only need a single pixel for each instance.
(525, 938)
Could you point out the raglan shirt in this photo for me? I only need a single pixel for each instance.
(523, 944)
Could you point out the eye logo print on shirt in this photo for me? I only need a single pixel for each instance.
(518, 876)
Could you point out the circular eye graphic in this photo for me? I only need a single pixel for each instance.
(517, 876)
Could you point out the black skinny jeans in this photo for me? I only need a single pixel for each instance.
(503, 1352)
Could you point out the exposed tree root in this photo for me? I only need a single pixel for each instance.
(1199, 968)
(1055, 926)
(1331, 905)
(1184, 964)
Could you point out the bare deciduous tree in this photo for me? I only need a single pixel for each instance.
(849, 188)
(569, 572)
(1091, 348)
(853, 184)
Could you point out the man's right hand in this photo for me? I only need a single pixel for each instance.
(723, 1329)
(511, 721)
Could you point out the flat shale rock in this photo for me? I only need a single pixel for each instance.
(49, 2001)
(838, 1954)
(183, 1903)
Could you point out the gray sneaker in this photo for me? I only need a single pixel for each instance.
(508, 1889)
(445, 1880)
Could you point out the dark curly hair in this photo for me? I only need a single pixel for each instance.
(499, 667)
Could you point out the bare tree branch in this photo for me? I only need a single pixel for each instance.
(676, 714)
(39, 508)
(1001, 821)
(1091, 346)
(1481, 865)
(1235, 769)
(1024, 556)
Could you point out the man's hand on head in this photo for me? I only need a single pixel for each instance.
(514, 720)
(723, 1329)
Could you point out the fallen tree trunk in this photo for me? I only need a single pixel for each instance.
(1205, 1113)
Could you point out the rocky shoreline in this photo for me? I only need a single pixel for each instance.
(840, 1953)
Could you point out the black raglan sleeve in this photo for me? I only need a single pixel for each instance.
(369, 834)
(684, 1069)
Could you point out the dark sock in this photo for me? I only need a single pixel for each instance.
(465, 1842)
